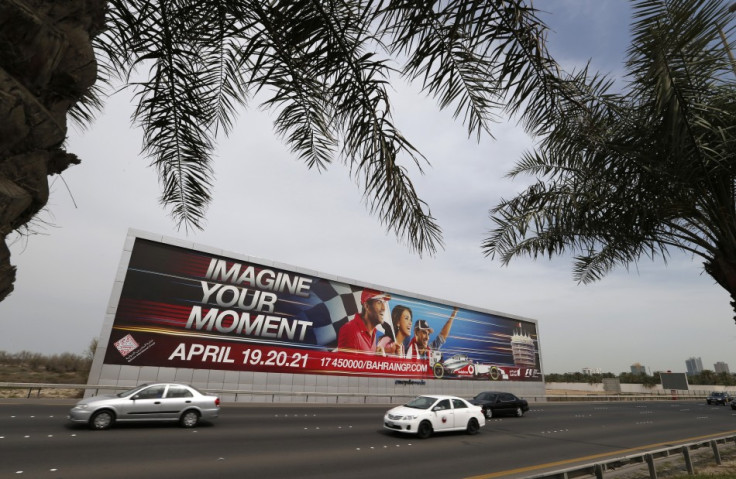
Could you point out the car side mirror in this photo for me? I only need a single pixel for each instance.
(437, 408)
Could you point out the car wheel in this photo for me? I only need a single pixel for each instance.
(473, 426)
(488, 413)
(424, 430)
(189, 419)
(101, 420)
(519, 412)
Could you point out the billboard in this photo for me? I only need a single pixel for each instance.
(674, 381)
(185, 308)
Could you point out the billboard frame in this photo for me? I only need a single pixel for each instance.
(249, 381)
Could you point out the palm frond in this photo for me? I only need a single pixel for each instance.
(631, 175)
(175, 111)
(84, 111)
(286, 50)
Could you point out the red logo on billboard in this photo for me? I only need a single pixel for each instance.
(126, 345)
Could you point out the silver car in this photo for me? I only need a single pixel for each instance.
(148, 402)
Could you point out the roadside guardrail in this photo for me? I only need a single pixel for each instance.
(680, 452)
(341, 397)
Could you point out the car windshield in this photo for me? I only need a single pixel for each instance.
(422, 402)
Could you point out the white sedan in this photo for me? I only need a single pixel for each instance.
(424, 415)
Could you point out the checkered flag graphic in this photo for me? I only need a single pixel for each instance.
(339, 303)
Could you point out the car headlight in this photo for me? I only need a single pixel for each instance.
(81, 406)
(411, 418)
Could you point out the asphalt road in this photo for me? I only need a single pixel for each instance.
(267, 441)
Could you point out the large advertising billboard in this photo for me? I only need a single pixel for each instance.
(190, 309)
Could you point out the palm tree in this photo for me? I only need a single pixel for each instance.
(637, 173)
(46, 65)
(323, 66)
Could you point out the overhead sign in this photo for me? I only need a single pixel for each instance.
(186, 308)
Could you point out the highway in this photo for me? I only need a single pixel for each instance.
(320, 441)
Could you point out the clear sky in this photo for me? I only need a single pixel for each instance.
(269, 205)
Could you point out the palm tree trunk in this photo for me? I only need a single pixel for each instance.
(46, 65)
(722, 268)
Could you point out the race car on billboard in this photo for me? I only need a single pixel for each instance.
(460, 365)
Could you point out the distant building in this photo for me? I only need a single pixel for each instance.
(694, 366)
(591, 371)
(637, 368)
(721, 367)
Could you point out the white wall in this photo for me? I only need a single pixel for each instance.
(597, 388)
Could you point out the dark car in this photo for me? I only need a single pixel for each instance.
(495, 403)
(721, 398)
(733, 403)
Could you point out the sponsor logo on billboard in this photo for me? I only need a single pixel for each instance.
(126, 345)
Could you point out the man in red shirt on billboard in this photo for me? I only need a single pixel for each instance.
(359, 334)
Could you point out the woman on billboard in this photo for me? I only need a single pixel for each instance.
(393, 344)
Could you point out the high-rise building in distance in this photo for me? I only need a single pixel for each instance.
(638, 368)
(721, 367)
(694, 366)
